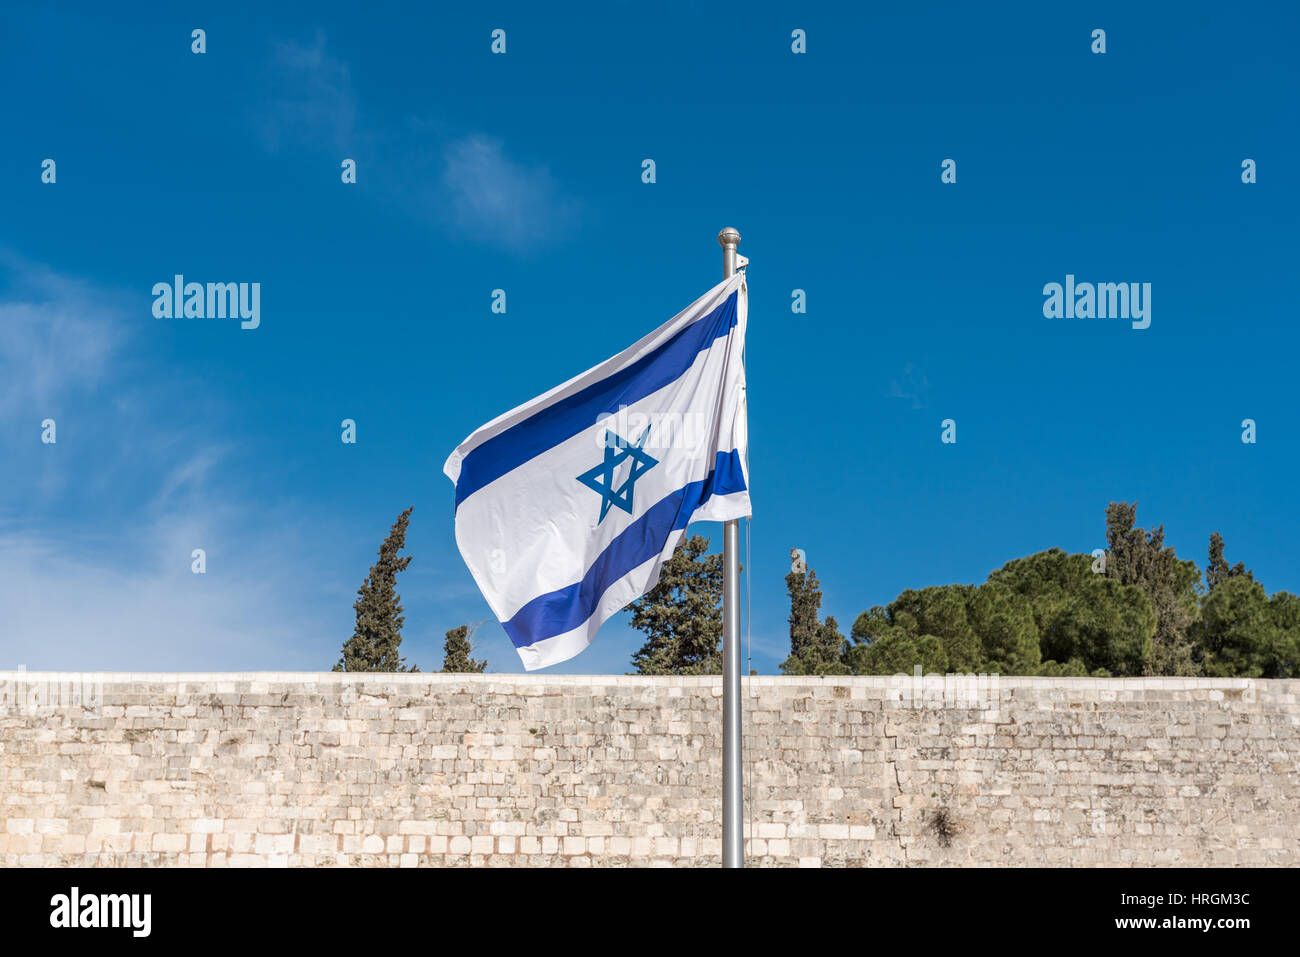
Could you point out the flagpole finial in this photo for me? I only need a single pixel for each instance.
(729, 239)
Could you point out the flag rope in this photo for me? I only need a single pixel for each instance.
(749, 667)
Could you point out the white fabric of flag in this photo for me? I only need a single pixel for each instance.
(568, 506)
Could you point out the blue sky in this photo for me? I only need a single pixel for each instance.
(523, 172)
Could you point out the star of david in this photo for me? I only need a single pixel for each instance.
(601, 478)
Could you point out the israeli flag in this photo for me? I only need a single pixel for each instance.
(568, 506)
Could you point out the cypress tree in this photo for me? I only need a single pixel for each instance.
(805, 606)
(378, 634)
(816, 648)
(455, 655)
(1139, 557)
(1218, 571)
(682, 615)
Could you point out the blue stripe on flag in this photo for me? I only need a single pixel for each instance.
(566, 608)
(552, 425)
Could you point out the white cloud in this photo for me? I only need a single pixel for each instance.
(136, 606)
(312, 101)
(476, 191)
(494, 198)
(96, 532)
(59, 337)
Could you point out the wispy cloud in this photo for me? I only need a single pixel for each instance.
(133, 604)
(466, 184)
(57, 339)
(494, 198)
(190, 474)
(312, 103)
(97, 531)
(912, 385)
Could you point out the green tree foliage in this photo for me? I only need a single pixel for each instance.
(1139, 557)
(1004, 621)
(1245, 634)
(682, 615)
(378, 634)
(898, 653)
(1047, 579)
(1285, 611)
(1048, 613)
(1217, 570)
(961, 628)
(455, 653)
(816, 647)
(1081, 615)
(926, 627)
(1051, 614)
(943, 612)
(1105, 626)
(1074, 668)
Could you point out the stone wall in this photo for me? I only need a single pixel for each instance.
(329, 769)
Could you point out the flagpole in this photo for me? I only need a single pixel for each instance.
(733, 837)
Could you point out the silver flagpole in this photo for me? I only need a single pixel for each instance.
(733, 836)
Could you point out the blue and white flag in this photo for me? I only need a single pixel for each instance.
(568, 506)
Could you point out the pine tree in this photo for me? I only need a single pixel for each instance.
(682, 615)
(456, 651)
(378, 634)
